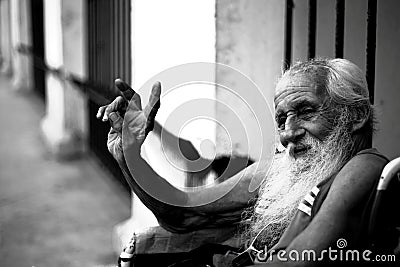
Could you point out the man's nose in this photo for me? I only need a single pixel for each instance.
(292, 132)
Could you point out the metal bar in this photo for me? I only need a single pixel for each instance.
(108, 35)
(117, 31)
(288, 34)
(312, 28)
(110, 41)
(128, 61)
(107, 78)
(339, 33)
(112, 37)
(96, 41)
(116, 49)
(371, 47)
(100, 47)
(90, 37)
(103, 33)
(115, 39)
(120, 38)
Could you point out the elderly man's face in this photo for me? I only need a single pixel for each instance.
(299, 111)
(318, 142)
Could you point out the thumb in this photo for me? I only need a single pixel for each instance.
(115, 121)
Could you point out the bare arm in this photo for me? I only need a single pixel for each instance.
(185, 214)
(175, 209)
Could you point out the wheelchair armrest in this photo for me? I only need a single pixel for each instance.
(386, 195)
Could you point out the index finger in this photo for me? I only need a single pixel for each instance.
(154, 101)
(126, 91)
(155, 94)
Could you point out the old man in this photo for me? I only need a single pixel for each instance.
(317, 192)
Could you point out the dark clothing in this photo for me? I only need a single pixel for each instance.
(312, 203)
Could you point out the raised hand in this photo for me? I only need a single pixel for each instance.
(139, 122)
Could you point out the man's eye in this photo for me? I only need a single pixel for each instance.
(305, 112)
(281, 122)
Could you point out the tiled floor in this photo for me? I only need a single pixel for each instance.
(52, 213)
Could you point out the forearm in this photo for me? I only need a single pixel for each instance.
(157, 195)
(180, 211)
(169, 216)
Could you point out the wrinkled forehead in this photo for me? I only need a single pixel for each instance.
(290, 83)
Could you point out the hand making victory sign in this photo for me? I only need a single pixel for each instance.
(140, 121)
(176, 210)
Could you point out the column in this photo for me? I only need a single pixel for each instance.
(20, 35)
(64, 125)
(5, 45)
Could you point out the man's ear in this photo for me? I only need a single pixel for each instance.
(360, 119)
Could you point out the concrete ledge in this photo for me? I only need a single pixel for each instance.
(22, 73)
(141, 218)
(121, 234)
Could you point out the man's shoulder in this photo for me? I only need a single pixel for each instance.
(358, 178)
(373, 153)
(367, 159)
(366, 164)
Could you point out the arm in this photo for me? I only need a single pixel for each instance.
(184, 211)
(340, 215)
(175, 209)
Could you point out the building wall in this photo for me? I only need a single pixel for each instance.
(300, 26)
(387, 83)
(250, 39)
(355, 36)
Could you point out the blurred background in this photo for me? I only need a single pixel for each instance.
(63, 200)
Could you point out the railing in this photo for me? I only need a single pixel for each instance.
(370, 49)
(36, 20)
(339, 35)
(109, 57)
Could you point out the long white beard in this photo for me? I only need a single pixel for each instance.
(290, 179)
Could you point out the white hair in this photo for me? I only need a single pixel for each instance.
(345, 85)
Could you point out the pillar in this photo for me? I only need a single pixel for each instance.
(5, 45)
(20, 35)
(64, 125)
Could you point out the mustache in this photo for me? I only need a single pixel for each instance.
(306, 144)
